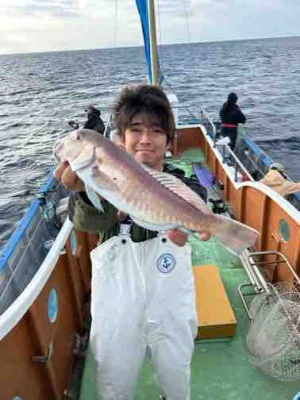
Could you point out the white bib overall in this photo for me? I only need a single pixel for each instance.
(142, 298)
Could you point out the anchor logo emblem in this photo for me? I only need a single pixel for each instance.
(166, 263)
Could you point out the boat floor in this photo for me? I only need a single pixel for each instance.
(220, 368)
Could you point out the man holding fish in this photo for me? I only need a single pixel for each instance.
(143, 297)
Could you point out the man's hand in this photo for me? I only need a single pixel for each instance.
(68, 178)
(180, 238)
(121, 216)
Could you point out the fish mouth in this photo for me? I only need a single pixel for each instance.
(57, 158)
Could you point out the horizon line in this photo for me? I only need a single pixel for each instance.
(141, 45)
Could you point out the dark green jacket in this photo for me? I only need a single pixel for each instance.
(87, 218)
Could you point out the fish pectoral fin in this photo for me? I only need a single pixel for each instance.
(95, 181)
(84, 159)
(179, 188)
(94, 198)
(151, 226)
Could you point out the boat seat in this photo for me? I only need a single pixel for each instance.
(215, 315)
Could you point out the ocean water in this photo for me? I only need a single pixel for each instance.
(40, 93)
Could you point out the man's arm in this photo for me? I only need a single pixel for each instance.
(241, 119)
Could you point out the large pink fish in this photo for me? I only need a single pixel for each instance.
(153, 199)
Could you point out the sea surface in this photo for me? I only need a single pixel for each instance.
(41, 92)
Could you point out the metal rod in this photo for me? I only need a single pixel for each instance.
(261, 278)
(248, 271)
(241, 295)
(203, 114)
(235, 171)
(235, 159)
(256, 272)
(153, 43)
(269, 252)
(269, 262)
(251, 274)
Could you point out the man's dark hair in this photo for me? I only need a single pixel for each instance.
(143, 99)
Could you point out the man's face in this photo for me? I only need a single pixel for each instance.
(146, 141)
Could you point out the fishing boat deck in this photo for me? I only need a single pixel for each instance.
(220, 368)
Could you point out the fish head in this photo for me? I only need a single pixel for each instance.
(78, 148)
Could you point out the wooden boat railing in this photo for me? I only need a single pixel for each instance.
(251, 202)
(40, 329)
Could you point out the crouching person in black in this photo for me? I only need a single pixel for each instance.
(94, 121)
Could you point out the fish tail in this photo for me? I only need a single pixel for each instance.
(235, 236)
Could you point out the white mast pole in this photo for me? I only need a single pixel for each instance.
(153, 42)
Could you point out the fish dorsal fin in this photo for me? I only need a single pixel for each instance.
(176, 186)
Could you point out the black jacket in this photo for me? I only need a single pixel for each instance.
(231, 114)
(95, 122)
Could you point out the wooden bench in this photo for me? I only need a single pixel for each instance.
(215, 315)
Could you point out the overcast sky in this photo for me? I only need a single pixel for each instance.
(49, 25)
